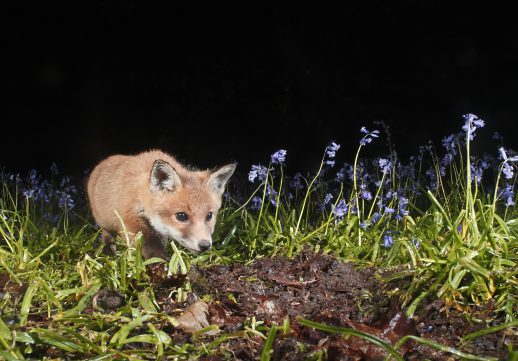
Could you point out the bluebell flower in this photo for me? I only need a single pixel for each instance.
(272, 195)
(353, 206)
(364, 193)
(44, 192)
(508, 171)
(450, 143)
(256, 203)
(409, 169)
(29, 193)
(365, 141)
(258, 172)
(367, 138)
(376, 217)
(502, 154)
(296, 182)
(403, 203)
(279, 156)
(65, 201)
(349, 169)
(416, 243)
(361, 170)
(447, 159)
(389, 210)
(33, 176)
(332, 149)
(479, 123)
(430, 172)
(508, 195)
(330, 163)
(477, 171)
(472, 123)
(67, 187)
(340, 210)
(328, 198)
(385, 165)
(388, 240)
(340, 175)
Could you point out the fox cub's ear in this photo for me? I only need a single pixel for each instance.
(219, 178)
(164, 177)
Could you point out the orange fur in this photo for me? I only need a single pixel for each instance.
(149, 190)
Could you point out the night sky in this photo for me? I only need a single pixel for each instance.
(214, 84)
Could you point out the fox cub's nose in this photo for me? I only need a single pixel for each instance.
(204, 245)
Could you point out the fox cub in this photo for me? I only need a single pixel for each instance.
(156, 195)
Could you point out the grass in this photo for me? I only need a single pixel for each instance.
(446, 225)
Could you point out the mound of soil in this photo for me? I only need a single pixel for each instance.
(321, 288)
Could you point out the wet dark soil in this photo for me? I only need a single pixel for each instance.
(321, 288)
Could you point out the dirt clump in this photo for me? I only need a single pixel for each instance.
(321, 288)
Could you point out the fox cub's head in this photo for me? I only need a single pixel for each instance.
(184, 205)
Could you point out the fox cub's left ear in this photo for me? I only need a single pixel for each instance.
(219, 178)
(164, 177)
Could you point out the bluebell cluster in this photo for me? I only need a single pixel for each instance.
(52, 197)
(387, 181)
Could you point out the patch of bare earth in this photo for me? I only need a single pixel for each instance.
(321, 288)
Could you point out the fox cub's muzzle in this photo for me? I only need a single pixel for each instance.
(204, 245)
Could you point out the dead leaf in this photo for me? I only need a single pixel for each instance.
(194, 318)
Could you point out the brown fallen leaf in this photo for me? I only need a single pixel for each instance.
(223, 316)
(285, 281)
(9, 286)
(194, 318)
(398, 326)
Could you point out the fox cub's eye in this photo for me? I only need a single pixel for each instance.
(209, 216)
(182, 217)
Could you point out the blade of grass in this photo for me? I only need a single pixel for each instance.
(443, 348)
(120, 336)
(27, 302)
(486, 331)
(83, 302)
(351, 332)
(266, 353)
(56, 339)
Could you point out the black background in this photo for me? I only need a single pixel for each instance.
(213, 83)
